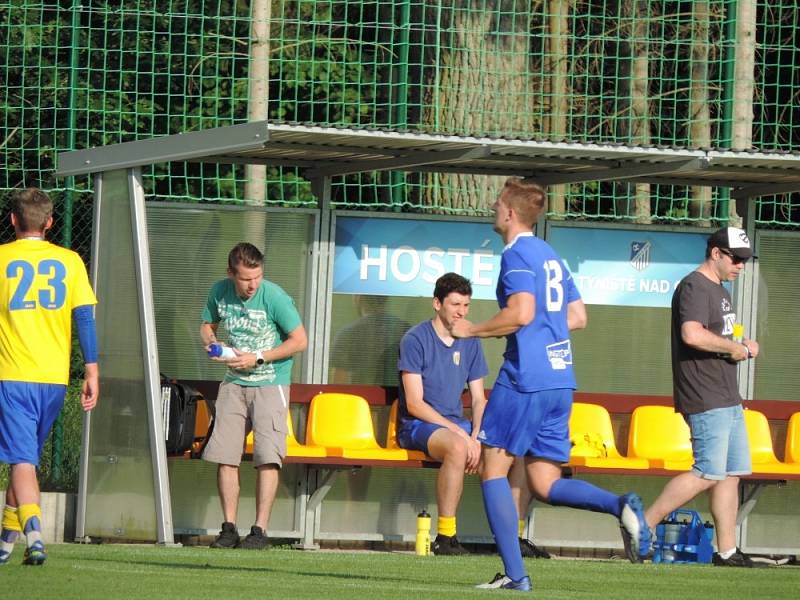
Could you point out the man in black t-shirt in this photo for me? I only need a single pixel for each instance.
(704, 359)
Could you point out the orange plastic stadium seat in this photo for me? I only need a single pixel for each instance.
(660, 435)
(391, 436)
(342, 423)
(202, 422)
(293, 447)
(593, 442)
(792, 454)
(761, 451)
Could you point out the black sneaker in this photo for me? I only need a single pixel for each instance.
(34, 554)
(255, 540)
(227, 538)
(447, 545)
(737, 559)
(530, 550)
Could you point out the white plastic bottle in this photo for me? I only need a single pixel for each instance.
(220, 351)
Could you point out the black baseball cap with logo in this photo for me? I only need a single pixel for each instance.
(734, 241)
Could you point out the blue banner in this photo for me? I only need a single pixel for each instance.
(626, 267)
(403, 257)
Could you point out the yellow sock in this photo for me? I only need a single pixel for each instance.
(446, 526)
(521, 528)
(27, 512)
(11, 519)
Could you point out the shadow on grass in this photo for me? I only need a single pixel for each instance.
(249, 569)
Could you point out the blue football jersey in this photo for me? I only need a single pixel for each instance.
(539, 355)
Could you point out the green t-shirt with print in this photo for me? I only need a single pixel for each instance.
(261, 322)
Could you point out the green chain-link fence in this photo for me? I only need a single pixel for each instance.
(85, 73)
(82, 73)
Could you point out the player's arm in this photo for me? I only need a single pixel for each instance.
(478, 398)
(208, 333)
(519, 311)
(419, 409)
(296, 341)
(576, 315)
(87, 338)
(698, 337)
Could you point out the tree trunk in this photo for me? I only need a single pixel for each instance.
(633, 113)
(699, 112)
(744, 82)
(556, 90)
(481, 86)
(255, 187)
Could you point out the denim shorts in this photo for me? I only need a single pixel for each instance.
(719, 443)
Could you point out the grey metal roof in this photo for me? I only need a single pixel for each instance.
(332, 151)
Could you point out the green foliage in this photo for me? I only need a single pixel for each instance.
(85, 74)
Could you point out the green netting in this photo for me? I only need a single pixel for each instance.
(84, 73)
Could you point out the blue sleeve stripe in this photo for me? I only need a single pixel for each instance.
(87, 332)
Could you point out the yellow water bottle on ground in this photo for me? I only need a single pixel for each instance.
(423, 545)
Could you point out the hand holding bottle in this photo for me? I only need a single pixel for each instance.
(217, 350)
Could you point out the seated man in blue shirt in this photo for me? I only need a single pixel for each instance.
(434, 367)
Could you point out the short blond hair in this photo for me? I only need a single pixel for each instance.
(526, 197)
(32, 208)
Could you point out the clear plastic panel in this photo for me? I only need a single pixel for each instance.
(189, 252)
(120, 496)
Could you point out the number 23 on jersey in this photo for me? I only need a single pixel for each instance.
(50, 291)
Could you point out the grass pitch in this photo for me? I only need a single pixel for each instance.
(123, 571)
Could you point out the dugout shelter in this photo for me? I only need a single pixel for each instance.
(127, 489)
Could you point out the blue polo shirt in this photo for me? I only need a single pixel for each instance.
(444, 369)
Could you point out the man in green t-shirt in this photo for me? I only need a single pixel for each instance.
(264, 332)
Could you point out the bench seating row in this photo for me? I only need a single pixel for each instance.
(339, 430)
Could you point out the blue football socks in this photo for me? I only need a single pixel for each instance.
(7, 539)
(583, 495)
(501, 511)
(11, 530)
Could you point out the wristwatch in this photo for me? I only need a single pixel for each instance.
(259, 359)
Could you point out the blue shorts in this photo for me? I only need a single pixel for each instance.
(532, 424)
(27, 412)
(414, 434)
(719, 443)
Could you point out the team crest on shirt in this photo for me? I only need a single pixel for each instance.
(725, 305)
(456, 358)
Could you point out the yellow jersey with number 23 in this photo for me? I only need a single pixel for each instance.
(40, 284)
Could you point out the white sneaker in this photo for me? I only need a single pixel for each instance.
(497, 582)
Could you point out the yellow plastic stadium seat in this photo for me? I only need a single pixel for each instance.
(660, 435)
(391, 436)
(792, 454)
(342, 423)
(761, 451)
(293, 447)
(592, 436)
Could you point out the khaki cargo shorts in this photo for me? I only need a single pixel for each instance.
(239, 410)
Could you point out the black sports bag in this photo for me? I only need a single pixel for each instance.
(178, 411)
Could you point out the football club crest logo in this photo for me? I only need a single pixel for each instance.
(456, 358)
(640, 255)
(725, 306)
